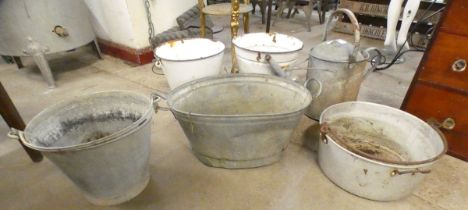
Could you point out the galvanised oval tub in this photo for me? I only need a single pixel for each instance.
(238, 121)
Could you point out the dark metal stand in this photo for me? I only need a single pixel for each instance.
(13, 119)
(18, 62)
(96, 48)
(270, 3)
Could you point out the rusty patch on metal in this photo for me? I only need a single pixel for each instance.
(172, 43)
(87, 128)
(368, 138)
(96, 135)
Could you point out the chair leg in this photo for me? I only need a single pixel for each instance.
(295, 11)
(281, 8)
(291, 4)
(270, 5)
(308, 13)
(319, 10)
(263, 7)
(254, 5)
(289, 13)
(245, 21)
(11, 116)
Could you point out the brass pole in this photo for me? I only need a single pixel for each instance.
(246, 18)
(201, 5)
(234, 29)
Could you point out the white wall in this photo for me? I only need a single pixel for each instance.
(125, 22)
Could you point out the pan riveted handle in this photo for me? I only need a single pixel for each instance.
(354, 21)
(324, 130)
(436, 126)
(412, 172)
(156, 96)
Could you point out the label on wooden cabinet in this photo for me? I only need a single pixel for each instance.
(381, 10)
(376, 32)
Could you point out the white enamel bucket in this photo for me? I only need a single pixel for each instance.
(256, 51)
(189, 59)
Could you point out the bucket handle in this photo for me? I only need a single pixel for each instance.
(354, 22)
(16, 134)
(395, 172)
(157, 66)
(319, 91)
(156, 96)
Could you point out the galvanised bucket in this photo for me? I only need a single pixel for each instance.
(100, 142)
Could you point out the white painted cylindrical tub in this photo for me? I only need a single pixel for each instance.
(101, 142)
(189, 59)
(375, 151)
(252, 50)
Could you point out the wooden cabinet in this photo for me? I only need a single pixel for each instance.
(440, 87)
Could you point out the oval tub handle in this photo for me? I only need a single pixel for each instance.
(319, 91)
(412, 172)
(156, 96)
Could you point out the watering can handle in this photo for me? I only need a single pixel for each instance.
(319, 91)
(354, 21)
(374, 60)
(156, 96)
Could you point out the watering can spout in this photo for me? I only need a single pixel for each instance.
(276, 68)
